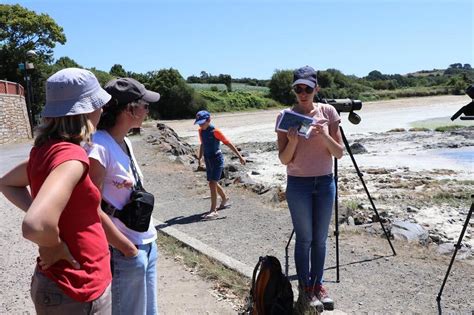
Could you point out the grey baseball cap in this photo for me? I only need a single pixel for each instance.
(73, 91)
(127, 90)
(305, 75)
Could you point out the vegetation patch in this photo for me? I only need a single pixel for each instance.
(448, 128)
(224, 101)
(229, 283)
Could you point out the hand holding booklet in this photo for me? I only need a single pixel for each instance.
(290, 119)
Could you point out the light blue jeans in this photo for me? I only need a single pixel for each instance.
(134, 286)
(310, 200)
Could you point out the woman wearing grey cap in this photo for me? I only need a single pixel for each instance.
(62, 212)
(116, 173)
(310, 186)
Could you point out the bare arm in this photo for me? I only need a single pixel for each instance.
(43, 232)
(234, 149)
(200, 155)
(14, 186)
(332, 138)
(114, 236)
(40, 224)
(287, 145)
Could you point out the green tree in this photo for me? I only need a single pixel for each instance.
(118, 71)
(375, 75)
(102, 76)
(22, 30)
(227, 80)
(280, 87)
(178, 99)
(325, 79)
(66, 62)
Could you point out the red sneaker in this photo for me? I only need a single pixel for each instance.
(322, 295)
(313, 299)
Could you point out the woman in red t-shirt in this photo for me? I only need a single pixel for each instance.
(73, 271)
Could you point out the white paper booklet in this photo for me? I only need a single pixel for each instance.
(291, 119)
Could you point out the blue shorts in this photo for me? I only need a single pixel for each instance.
(214, 167)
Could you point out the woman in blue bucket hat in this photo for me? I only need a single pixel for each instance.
(72, 274)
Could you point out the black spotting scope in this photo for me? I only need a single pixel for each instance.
(345, 105)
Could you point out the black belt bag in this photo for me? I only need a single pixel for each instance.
(136, 214)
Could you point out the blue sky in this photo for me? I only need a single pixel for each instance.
(247, 38)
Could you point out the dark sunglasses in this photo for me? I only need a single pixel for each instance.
(298, 89)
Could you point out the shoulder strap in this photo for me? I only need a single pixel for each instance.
(250, 300)
(134, 169)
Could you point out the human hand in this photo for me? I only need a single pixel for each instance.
(321, 129)
(292, 135)
(129, 251)
(49, 255)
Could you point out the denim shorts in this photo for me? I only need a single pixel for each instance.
(214, 166)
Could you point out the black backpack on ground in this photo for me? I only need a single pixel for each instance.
(271, 293)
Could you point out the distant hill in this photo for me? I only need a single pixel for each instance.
(427, 73)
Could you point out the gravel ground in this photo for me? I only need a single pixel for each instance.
(371, 278)
(180, 291)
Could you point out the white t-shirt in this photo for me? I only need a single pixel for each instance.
(118, 181)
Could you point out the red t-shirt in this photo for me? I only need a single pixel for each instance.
(79, 224)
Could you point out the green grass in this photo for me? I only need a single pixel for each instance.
(352, 204)
(207, 268)
(434, 123)
(235, 87)
(375, 95)
(236, 101)
(448, 128)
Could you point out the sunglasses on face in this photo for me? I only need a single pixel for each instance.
(298, 89)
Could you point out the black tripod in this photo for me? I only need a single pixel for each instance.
(456, 247)
(336, 209)
(468, 111)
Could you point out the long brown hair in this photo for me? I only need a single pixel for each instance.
(75, 129)
(112, 110)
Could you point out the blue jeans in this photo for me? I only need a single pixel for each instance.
(134, 286)
(310, 200)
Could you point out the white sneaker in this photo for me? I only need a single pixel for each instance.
(323, 296)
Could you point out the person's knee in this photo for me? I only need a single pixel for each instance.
(303, 242)
(319, 242)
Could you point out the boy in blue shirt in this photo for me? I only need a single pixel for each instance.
(210, 138)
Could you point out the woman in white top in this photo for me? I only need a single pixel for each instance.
(114, 170)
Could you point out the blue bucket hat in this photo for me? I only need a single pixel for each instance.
(73, 91)
(201, 117)
(305, 75)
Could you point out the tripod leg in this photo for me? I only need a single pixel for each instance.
(365, 188)
(286, 253)
(336, 220)
(456, 247)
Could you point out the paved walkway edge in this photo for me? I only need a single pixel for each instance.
(212, 253)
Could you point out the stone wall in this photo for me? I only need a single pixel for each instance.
(14, 122)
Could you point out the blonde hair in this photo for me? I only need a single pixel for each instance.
(75, 129)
